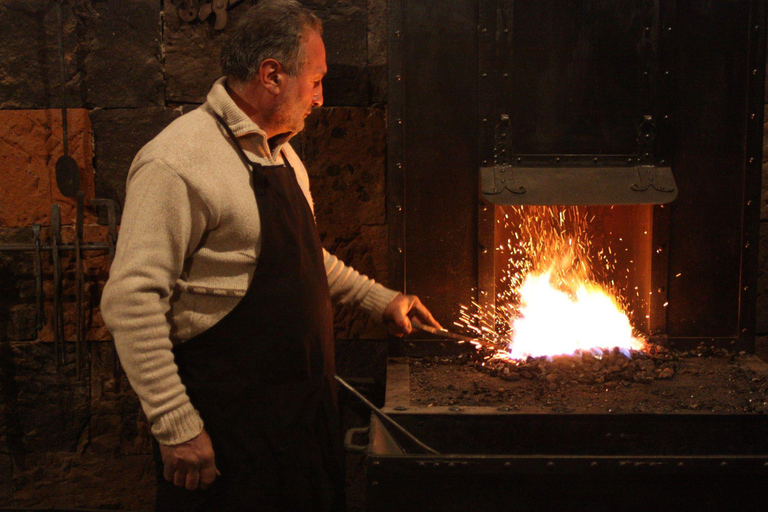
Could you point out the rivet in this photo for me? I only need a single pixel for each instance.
(509, 464)
(757, 28)
(744, 330)
(647, 29)
(754, 71)
(485, 120)
(503, 180)
(666, 117)
(505, 75)
(752, 115)
(666, 73)
(723, 464)
(485, 162)
(503, 170)
(398, 207)
(484, 75)
(376, 463)
(483, 30)
(505, 117)
(645, 73)
(550, 464)
(594, 159)
(751, 160)
(669, 29)
(374, 482)
(398, 77)
(593, 464)
(400, 250)
(399, 165)
(397, 33)
(455, 408)
(662, 162)
(746, 288)
(557, 159)
(401, 407)
(680, 464)
(749, 202)
(506, 31)
(399, 121)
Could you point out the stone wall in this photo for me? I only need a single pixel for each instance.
(130, 68)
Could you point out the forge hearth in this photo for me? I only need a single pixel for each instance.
(695, 441)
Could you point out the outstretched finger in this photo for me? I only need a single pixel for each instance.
(423, 314)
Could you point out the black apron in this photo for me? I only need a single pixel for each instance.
(262, 377)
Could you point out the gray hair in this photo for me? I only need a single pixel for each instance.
(271, 29)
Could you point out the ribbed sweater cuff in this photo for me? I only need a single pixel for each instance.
(376, 300)
(177, 426)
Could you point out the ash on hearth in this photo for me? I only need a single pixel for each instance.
(706, 379)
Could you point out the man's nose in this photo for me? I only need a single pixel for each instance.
(317, 99)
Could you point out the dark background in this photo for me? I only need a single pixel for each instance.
(131, 68)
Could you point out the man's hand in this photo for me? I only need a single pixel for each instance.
(190, 464)
(398, 314)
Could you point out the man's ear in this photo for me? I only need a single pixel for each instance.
(270, 72)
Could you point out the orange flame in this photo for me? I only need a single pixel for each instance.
(553, 301)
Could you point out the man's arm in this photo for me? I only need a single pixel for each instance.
(163, 221)
(348, 286)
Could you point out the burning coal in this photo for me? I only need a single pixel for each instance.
(556, 295)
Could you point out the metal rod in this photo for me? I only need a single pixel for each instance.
(39, 299)
(90, 246)
(55, 239)
(452, 335)
(79, 291)
(60, 42)
(385, 417)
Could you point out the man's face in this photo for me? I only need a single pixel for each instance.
(305, 90)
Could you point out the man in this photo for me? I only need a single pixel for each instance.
(219, 304)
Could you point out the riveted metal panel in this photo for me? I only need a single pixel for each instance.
(396, 167)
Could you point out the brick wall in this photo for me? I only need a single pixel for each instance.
(130, 69)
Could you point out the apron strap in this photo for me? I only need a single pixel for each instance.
(247, 161)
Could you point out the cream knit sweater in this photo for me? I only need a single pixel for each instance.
(188, 246)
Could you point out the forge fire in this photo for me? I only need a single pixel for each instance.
(560, 290)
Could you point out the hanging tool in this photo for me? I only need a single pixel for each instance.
(219, 8)
(57, 309)
(111, 241)
(79, 338)
(188, 10)
(384, 417)
(111, 207)
(67, 173)
(448, 334)
(39, 299)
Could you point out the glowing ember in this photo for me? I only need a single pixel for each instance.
(551, 296)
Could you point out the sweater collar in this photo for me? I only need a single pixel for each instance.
(221, 103)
